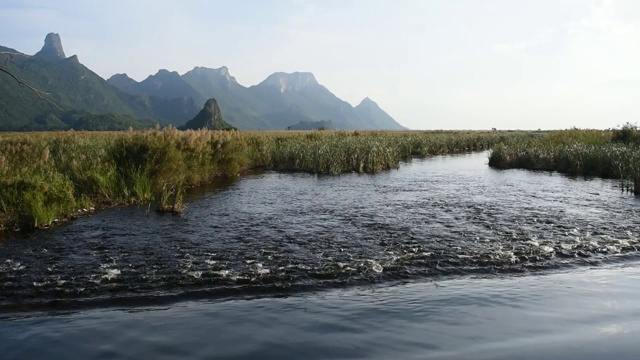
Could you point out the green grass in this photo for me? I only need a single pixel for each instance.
(608, 154)
(48, 176)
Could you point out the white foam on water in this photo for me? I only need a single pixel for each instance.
(110, 274)
(13, 265)
(509, 256)
(223, 273)
(546, 249)
(259, 269)
(624, 242)
(564, 246)
(612, 248)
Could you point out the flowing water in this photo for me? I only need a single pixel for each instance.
(328, 260)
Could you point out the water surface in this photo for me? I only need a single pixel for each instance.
(578, 314)
(281, 234)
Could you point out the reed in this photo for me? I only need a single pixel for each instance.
(608, 154)
(46, 177)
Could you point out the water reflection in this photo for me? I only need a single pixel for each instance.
(555, 316)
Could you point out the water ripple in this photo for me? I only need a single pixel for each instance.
(287, 232)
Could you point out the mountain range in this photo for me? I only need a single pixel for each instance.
(77, 97)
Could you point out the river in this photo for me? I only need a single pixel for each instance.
(443, 258)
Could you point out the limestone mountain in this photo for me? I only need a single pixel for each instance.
(72, 86)
(289, 98)
(210, 117)
(235, 101)
(370, 112)
(123, 82)
(52, 48)
(284, 82)
(280, 101)
(164, 83)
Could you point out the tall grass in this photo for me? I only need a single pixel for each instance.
(609, 154)
(49, 176)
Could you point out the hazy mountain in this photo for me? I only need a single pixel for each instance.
(164, 83)
(312, 125)
(371, 113)
(236, 103)
(282, 100)
(287, 99)
(123, 82)
(72, 86)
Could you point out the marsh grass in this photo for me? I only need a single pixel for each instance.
(49, 176)
(611, 154)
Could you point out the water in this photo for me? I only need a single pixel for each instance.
(442, 258)
(582, 314)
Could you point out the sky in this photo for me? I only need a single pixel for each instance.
(431, 64)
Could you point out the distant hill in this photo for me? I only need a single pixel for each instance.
(72, 86)
(280, 101)
(369, 112)
(236, 103)
(164, 83)
(312, 125)
(80, 120)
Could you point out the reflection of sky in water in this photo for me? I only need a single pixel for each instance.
(548, 316)
(613, 329)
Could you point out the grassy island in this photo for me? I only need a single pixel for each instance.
(613, 154)
(46, 177)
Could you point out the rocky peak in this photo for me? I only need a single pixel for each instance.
(73, 59)
(212, 110)
(52, 48)
(161, 78)
(210, 117)
(121, 81)
(290, 81)
(122, 76)
(164, 73)
(222, 72)
(367, 102)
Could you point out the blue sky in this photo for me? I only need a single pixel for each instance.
(457, 64)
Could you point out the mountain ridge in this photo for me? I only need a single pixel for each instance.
(278, 102)
(71, 86)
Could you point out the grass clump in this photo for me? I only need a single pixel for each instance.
(611, 154)
(49, 176)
